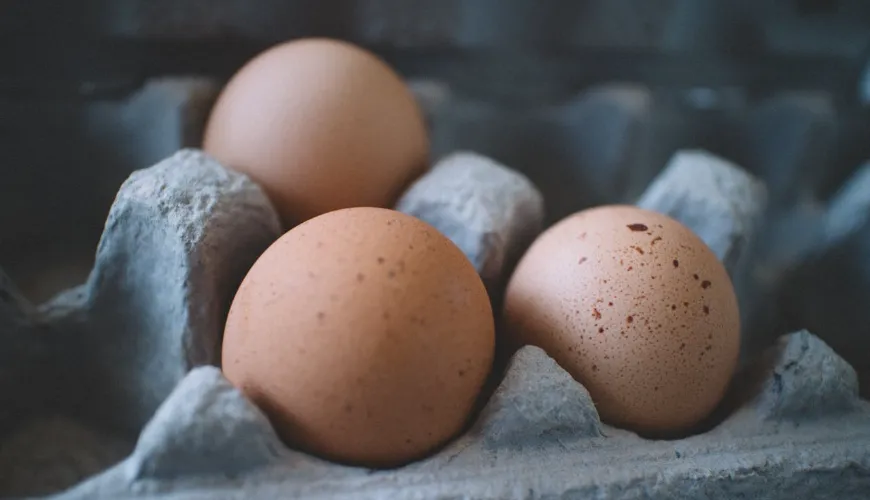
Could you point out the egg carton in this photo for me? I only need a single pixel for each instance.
(140, 409)
(702, 27)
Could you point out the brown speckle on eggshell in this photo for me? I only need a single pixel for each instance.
(649, 365)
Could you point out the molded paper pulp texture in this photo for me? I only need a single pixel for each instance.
(145, 413)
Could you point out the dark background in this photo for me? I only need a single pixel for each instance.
(68, 69)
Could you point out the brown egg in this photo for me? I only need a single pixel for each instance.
(321, 125)
(637, 308)
(364, 334)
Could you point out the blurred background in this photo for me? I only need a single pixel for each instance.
(589, 97)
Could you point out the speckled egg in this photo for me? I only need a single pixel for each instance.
(634, 306)
(364, 334)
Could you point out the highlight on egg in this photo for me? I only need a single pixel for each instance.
(321, 125)
(364, 334)
(634, 306)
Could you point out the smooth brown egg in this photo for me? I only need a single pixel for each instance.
(321, 125)
(634, 306)
(364, 334)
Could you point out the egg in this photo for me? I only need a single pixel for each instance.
(321, 125)
(364, 334)
(634, 306)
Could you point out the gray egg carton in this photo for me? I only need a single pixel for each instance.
(136, 346)
(110, 390)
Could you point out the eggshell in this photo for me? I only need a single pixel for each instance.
(637, 308)
(364, 334)
(322, 125)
